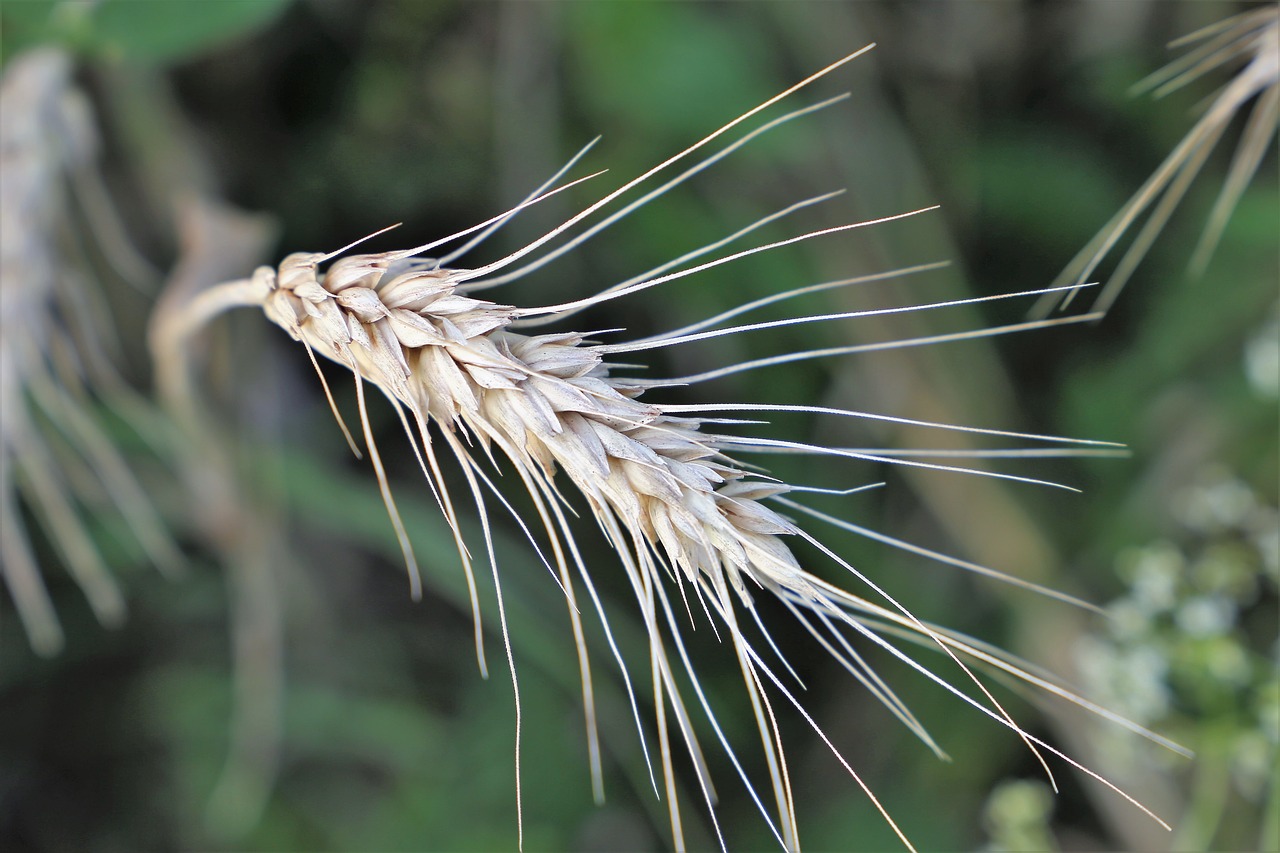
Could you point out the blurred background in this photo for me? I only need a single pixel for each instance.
(283, 692)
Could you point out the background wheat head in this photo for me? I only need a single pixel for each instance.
(58, 350)
(1249, 45)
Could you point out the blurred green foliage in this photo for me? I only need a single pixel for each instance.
(144, 31)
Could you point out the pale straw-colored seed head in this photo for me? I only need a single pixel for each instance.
(698, 533)
(51, 350)
(1251, 42)
(547, 402)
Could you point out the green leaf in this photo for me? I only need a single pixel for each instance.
(172, 30)
(144, 31)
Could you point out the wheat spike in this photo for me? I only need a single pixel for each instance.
(1252, 37)
(54, 367)
(668, 491)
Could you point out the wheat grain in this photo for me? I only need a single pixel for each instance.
(681, 510)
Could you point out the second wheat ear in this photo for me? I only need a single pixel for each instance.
(683, 514)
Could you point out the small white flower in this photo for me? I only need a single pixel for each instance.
(1253, 764)
(1262, 360)
(1157, 573)
(1206, 615)
(1130, 680)
(1266, 538)
(1220, 502)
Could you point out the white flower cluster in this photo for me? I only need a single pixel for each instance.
(1182, 644)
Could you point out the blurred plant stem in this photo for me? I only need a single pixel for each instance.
(233, 518)
(226, 509)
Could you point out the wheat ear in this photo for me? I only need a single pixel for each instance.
(56, 370)
(1253, 37)
(682, 512)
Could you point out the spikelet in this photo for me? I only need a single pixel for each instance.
(683, 513)
(1252, 39)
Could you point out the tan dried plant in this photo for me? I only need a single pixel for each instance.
(1250, 40)
(695, 529)
(57, 371)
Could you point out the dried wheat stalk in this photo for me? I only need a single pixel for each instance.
(681, 511)
(1251, 38)
(55, 367)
